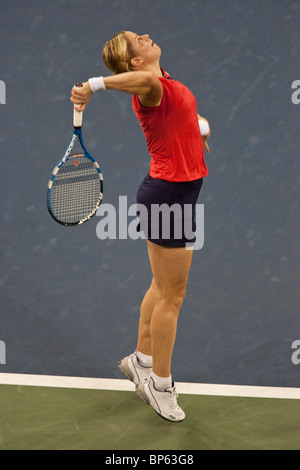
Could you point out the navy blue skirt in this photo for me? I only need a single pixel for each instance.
(166, 211)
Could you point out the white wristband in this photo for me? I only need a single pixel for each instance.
(96, 84)
(204, 127)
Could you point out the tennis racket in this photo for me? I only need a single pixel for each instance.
(75, 189)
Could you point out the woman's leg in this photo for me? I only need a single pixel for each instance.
(170, 268)
(144, 337)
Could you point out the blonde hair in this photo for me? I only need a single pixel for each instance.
(117, 53)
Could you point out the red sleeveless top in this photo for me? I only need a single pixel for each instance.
(172, 133)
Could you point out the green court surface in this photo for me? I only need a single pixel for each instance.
(48, 418)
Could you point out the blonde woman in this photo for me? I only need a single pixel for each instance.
(175, 135)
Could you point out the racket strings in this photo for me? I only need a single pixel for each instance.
(76, 190)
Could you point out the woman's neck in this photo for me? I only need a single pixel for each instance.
(155, 68)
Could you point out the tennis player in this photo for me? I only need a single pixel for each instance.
(176, 136)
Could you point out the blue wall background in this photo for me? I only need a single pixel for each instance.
(70, 302)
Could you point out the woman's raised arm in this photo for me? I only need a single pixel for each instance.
(144, 84)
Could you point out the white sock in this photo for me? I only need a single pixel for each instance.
(144, 360)
(161, 383)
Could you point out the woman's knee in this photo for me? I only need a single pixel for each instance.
(172, 296)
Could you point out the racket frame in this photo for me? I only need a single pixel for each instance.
(76, 135)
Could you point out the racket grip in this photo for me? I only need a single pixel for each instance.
(77, 118)
(77, 115)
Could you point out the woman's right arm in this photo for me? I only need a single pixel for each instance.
(144, 84)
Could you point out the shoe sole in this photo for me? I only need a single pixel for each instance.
(170, 420)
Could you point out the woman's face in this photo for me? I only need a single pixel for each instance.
(143, 47)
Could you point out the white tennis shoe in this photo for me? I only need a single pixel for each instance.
(164, 403)
(133, 370)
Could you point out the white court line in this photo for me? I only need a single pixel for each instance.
(125, 385)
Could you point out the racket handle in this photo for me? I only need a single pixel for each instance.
(77, 115)
(77, 118)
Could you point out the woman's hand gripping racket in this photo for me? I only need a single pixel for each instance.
(75, 189)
